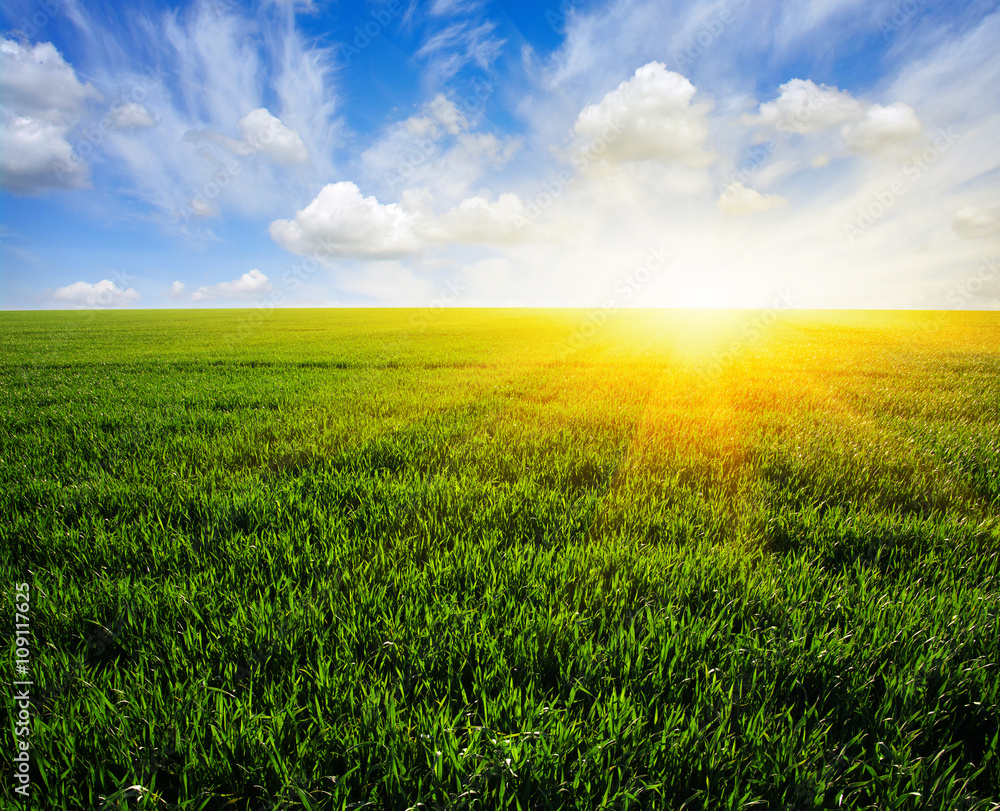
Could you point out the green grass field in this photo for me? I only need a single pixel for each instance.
(368, 559)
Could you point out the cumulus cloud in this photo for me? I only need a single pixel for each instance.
(131, 116)
(104, 293)
(177, 290)
(342, 222)
(41, 100)
(883, 129)
(802, 106)
(266, 133)
(249, 286)
(976, 222)
(649, 117)
(34, 156)
(738, 201)
(37, 82)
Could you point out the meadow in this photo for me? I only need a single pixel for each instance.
(487, 559)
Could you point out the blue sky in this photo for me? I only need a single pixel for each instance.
(833, 153)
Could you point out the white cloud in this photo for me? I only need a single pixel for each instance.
(802, 106)
(249, 286)
(177, 290)
(131, 116)
(37, 82)
(883, 129)
(805, 108)
(41, 100)
(738, 200)
(976, 222)
(472, 150)
(441, 116)
(101, 294)
(261, 133)
(34, 156)
(264, 132)
(650, 116)
(340, 222)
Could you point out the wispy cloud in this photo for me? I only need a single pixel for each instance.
(448, 51)
(442, 8)
(196, 136)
